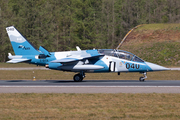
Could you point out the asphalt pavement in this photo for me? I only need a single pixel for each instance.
(90, 86)
(87, 86)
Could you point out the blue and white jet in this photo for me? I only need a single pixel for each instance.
(81, 61)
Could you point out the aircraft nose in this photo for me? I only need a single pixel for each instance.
(155, 67)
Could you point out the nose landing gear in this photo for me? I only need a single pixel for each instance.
(79, 77)
(141, 79)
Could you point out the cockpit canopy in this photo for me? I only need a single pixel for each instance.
(120, 54)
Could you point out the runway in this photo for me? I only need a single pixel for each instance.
(89, 86)
(43, 68)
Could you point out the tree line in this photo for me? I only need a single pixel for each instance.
(60, 25)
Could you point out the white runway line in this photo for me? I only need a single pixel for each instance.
(89, 86)
(89, 89)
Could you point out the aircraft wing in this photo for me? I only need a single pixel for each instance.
(17, 60)
(74, 58)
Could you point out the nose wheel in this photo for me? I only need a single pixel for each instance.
(79, 77)
(141, 79)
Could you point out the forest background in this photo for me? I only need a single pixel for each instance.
(60, 25)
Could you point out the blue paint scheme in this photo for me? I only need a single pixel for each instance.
(44, 51)
(136, 66)
(24, 48)
(101, 63)
(92, 52)
(42, 62)
(143, 67)
(77, 61)
(148, 68)
(54, 66)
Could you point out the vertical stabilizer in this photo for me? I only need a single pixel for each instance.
(20, 45)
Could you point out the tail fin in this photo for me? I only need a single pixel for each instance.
(20, 45)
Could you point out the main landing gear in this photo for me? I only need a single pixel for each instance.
(141, 79)
(79, 77)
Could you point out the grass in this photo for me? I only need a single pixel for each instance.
(59, 75)
(163, 53)
(156, 43)
(159, 26)
(151, 47)
(9, 65)
(89, 106)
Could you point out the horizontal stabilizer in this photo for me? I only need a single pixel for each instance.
(17, 60)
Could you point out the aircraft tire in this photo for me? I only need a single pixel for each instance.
(77, 78)
(141, 79)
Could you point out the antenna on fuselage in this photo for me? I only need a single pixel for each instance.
(78, 48)
(126, 36)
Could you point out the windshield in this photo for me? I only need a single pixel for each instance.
(120, 54)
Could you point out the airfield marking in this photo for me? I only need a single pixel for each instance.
(92, 86)
(88, 89)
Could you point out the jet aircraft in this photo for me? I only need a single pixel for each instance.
(80, 61)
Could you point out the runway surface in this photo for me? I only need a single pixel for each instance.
(43, 68)
(89, 86)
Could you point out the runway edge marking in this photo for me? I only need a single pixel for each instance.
(90, 86)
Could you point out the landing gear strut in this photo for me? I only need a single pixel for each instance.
(79, 77)
(141, 79)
